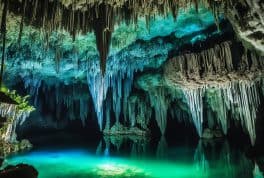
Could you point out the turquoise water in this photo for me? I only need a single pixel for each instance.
(139, 158)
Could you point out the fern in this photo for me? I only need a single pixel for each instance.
(23, 103)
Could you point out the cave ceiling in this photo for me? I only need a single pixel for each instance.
(99, 17)
(104, 17)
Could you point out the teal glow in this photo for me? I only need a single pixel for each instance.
(79, 163)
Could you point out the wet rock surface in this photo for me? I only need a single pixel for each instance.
(12, 114)
(119, 129)
(19, 171)
(247, 18)
(8, 148)
(212, 133)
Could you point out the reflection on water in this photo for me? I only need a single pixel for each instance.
(140, 157)
(135, 146)
(217, 155)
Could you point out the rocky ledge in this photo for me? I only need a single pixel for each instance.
(7, 148)
(119, 129)
(12, 113)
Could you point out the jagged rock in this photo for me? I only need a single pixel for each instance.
(211, 79)
(247, 18)
(19, 171)
(12, 114)
(25, 144)
(214, 74)
(7, 148)
(230, 84)
(212, 66)
(145, 50)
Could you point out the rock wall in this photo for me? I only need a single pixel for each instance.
(11, 116)
(247, 18)
(14, 117)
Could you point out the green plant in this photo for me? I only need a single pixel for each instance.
(22, 101)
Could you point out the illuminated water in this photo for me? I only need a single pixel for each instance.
(116, 157)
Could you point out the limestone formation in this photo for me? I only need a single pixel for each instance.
(247, 18)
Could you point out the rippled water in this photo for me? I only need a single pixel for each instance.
(135, 157)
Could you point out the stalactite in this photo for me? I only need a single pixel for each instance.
(72, 97)
(132, 111)
(217, 98)
(35, 7)
(160, 104)
(117, 81)
(97, 16)
(213, 78)
(103, 24)
(194, 97)
(98, 86)
(243, 98)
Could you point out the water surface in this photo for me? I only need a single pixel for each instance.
(136, 157)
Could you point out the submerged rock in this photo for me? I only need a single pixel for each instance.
(25, 144)
(119, 129)
(212, 133)
(19, 171)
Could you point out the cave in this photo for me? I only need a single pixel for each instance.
(132, 88)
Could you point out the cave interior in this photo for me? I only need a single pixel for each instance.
(177, 80)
